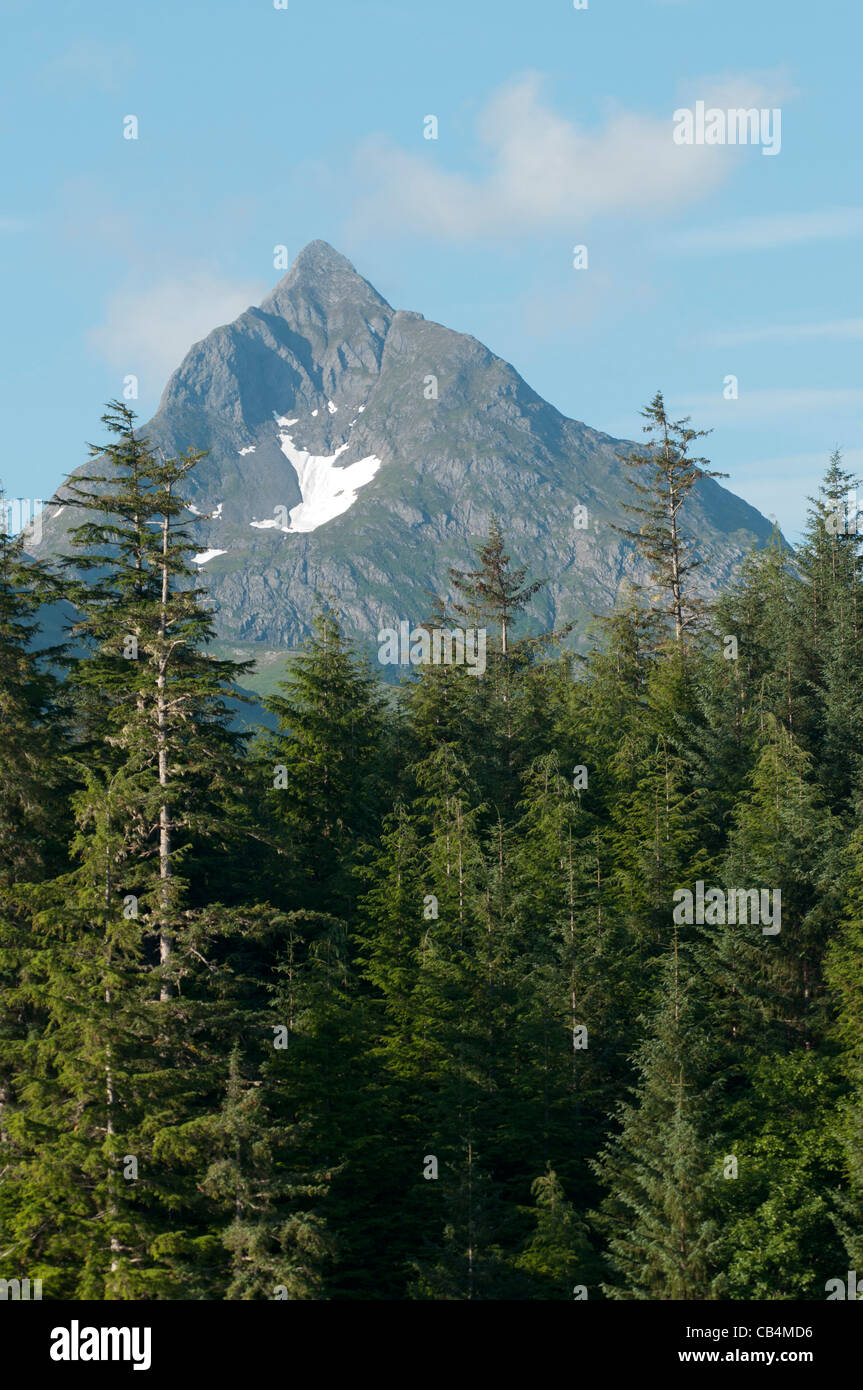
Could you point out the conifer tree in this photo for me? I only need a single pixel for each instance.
(31, 744)
(277, 1242)
(445, 704)
(496, 594)
(844, 971)
(783, 840)
(558, 1255)
(829, 633)
(662, 476)
(494, 590)
(661, 1168)
(777, 1214)
(121, 1054)
(325, 766)
(34, 783)
(321, 1085)
(469, 1260)
(350, 1015)
(571, 996)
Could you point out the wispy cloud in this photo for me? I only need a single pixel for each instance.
(763, 404)
(801, 466)
(595, 301)
(770, 232)
(92, 62)
(147, 329)
(842, 329)
(541, 171)
(766, 87)
(780, 487)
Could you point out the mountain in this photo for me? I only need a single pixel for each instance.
(358, 450)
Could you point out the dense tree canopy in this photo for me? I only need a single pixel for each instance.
(537, 983)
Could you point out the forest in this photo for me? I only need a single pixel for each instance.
(400, 995)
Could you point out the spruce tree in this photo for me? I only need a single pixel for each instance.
(829, 633)
(277, 1242)
(34, 782)
(558, 1255)
(126, 1050)
(844, 970)
(662, 476)
(324, 768)
(661, 1168)
(501, 718)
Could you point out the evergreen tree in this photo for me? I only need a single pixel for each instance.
(33, 819)
(121, 1052)
(33, 777)
(502, 714)
(347, 1011)
(277, 1242)
(845, 977)
(784, 841)
(494, 590)
(325, 768)
(829, 633)
(558, 1256)
(469, 1260)
(660, 1169)
(662, 476)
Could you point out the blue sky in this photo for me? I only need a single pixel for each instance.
(261, 127)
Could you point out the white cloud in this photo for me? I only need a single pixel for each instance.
(766, 233)
(780, 487)
(147, 330)
(93, 63)
(542, 171)
(788, 333)
(768, 87)
(808, 467)
(764, 404)
(581, 302)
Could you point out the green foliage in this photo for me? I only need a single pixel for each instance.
(392, 1001)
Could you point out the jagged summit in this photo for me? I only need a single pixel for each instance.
(324, 275)
(320, 256)
(359, 451)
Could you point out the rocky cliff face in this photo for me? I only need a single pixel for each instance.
(357, 450)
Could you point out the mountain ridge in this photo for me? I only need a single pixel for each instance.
(360, 450)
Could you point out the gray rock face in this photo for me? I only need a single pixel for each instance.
(449, 434)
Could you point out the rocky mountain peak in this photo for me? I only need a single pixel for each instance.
(359, 451)
(324, 277)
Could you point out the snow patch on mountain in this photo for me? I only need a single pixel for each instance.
(205, 555)
(327, 491)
